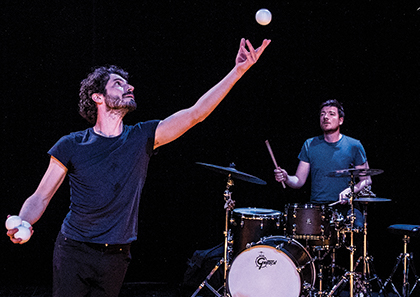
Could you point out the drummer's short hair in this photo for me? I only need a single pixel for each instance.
(333, 102)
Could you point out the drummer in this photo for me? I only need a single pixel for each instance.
(329, 152)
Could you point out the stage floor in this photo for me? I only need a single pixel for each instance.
(130, 290)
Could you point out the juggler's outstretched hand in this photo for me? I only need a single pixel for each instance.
(245, 59)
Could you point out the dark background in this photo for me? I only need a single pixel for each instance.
(364, 53)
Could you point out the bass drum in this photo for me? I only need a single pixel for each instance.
(277, 266)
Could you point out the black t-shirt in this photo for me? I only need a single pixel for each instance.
(106, 178)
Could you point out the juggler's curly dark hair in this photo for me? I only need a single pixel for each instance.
(95, 82)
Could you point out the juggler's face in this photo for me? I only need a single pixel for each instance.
(119, 94)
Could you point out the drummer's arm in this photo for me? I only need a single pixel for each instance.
(298, 180)
(364, 181)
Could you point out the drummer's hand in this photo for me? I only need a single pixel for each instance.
(344, 196)
(280, 175)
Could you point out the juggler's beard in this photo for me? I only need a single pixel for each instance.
(120, 105)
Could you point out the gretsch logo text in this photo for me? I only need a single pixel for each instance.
(262, 262)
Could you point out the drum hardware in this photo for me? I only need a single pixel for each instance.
(316, 227)
(231, 172)
(262, 240)
(334, 267)
(369, 273)
(355, 172)
(227, 197)
(407, 258)
(321, 269)
(307, 221)
(276, 266)
(225, 260)
(312, 225)
(205, 282)
(349, 275)
(250, 225)
(327, 270)
(369, 199)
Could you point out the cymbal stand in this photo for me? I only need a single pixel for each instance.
(226, 257)
(227, 194)
(349, 275)
(369, 272)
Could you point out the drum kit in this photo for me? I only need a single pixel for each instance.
(288, 254)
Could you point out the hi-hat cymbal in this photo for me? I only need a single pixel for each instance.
(234, 173)
(371, 199)
(355, 172)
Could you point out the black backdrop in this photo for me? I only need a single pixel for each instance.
(364, 53)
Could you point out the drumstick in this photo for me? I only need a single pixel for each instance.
(339, 201)
(334, 203)
(274, 159)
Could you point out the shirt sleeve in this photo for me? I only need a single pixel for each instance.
(360, 154)
(62, 150)
(150, 128)
(304, 152)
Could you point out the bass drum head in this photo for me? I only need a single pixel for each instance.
(270, 270)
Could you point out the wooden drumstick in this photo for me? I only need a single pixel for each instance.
(274, 159)
(334, 203)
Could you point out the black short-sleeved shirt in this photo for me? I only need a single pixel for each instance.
(106, 178)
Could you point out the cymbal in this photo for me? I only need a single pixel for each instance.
(234, 173)
(371, 199)
(355, 172)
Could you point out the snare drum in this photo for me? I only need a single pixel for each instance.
(308, 221)
(250, 225)
(278, 266)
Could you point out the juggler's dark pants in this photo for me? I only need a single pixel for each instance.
(86, 269)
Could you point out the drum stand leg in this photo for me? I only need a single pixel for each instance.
(349, 275)
(334, 267)
(320, 273)
(369, 273)
(225, 260)
(408, 263)
(321, 268)
(205, 282)
(227, 196)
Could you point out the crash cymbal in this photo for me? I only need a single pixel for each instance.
(371, 199)
(234, 173)
(355, 172)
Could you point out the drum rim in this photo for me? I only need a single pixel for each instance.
(293, 258)
(304, 205)
(267, 211)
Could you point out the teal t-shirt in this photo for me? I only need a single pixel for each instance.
(325, 157)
